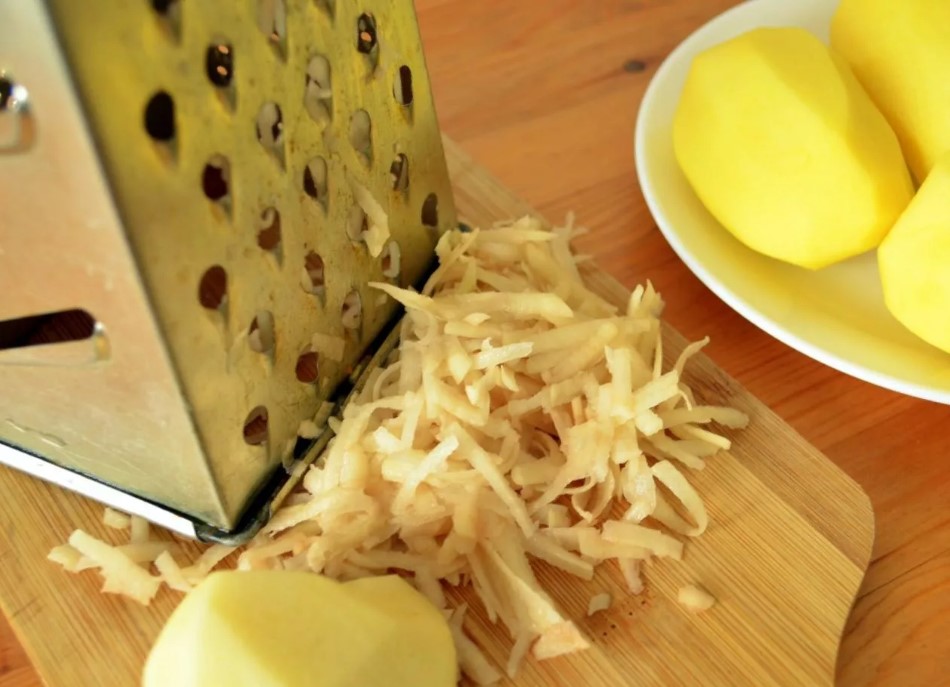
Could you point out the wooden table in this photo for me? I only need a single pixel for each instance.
(544, 93)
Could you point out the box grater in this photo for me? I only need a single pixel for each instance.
(194, 195)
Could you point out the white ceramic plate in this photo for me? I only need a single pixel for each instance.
(836, 315)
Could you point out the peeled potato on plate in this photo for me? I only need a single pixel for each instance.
(786, 149)
(900, 51)
(915, 261)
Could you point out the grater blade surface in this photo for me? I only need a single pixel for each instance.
(228, 177)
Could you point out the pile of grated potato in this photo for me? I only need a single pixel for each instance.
(519, 409)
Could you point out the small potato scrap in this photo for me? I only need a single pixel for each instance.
(116, 520)
(120, 573)
(598, 603)
(694, 598)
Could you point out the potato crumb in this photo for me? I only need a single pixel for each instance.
(138, 530)
(115, 519)
(598, 602)
(308, 429)
(333, 347)
(694, 598)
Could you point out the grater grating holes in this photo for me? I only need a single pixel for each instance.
(315, 180)
(399, 173)
(219, 64)
(314, 275)
(268, 236)
(163, 7)
(160, 117)
(366, 42)
(213, 287)
(255, 426)
(260, 335)
(169, 15)
(307, 368)
(6, 91)
(272, 21)
(390, 261)
(357, 224)
(351, 312)
(361, 135)
(430, 211)
(402, 87)
(258, 222)
(270, 129)
(318, 96)
(216, 180)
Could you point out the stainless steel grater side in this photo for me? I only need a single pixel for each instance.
(194, 195)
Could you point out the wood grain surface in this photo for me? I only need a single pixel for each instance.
(790, 540)
(544, 94)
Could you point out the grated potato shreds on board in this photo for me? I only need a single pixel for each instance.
(520, 414)
(519, 408)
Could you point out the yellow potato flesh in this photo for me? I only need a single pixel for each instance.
(289, 629)
(915, 261)
(900, 51)
(787, 151)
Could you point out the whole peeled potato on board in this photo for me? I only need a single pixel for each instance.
(915, 261)
(900, 51)
(785, 148)
(297, 629)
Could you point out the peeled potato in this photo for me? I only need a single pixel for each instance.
(915, 261)
(295, 629)
(900, 51)
(786, 149)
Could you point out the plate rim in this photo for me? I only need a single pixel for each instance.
(734, 300)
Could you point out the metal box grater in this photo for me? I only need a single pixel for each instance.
(194, 195)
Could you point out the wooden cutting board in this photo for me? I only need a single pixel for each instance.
(789, 542)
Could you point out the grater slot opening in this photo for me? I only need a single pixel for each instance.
(351, 312)
(315, 180)
(260, 335)
(430, 211)
(399, 173)
(255, 426)
(272, 21)
(216, 182)
(270, 130)
(308, 367)
(402, 88)
(314, 275)
(366, 41)
(390, 261)
(361, 135)
(318, 95)
(160, 117)
(268, 235)
(357, 224)
(219, 64)
(50, 328)
(213, 288)
(168, 13)
(17, 128)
